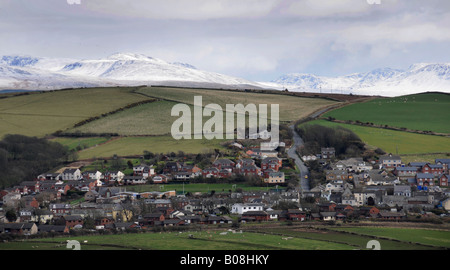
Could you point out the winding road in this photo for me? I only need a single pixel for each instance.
(292, 153)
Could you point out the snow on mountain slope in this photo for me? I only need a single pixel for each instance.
(118, 69)
(422, 77)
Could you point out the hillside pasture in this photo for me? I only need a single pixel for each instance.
(291, 107)
(392, 141)
(424, 112)
(42, 113)
(132, 146)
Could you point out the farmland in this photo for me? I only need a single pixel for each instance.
(274, 236)
(392, 141)
(43, 113)
(424, 112)
(291, 108)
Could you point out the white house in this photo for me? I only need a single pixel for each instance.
(241, 208)
(71, 174)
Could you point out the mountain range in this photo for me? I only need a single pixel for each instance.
(418, 78)
(122, 69)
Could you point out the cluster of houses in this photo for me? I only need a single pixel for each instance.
(389, 182)
(354, 189)
(39, 201)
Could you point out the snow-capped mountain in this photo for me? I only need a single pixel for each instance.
(122, 69)
(418, 78)
(26, 72)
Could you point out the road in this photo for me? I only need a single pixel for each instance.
(292, 153)
(304, 172)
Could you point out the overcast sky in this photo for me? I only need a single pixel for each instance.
(252, 39)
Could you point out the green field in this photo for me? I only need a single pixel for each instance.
(291, 108)
(130, 146)
(42, 113)
(199, 187)
(392, 141)
(426, 112)
(269, 237)
(205, 240)
(439, 238)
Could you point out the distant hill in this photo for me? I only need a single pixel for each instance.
(418, 78)
(121, 69)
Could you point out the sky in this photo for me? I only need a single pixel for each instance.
(258, 40)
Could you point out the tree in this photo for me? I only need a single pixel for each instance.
(11, 215)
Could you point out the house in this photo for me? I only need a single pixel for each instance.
(389, 215)
(425, 179)
(445, 162)
(402, 190)
(60, 209)
(21, 228)
(406, 172)
(254, 216)
(211, 172)
(171, 167)
(53, 229)
(273, 163)
(91, 175)
(434, 169)
(72, 220)
(274, 178)
(240, 208)
(332, 175)
(134, 180)
(295, 215)
(250, 170)
(144, 171)
(110, 177)
(390, 161)
(91, 195)
(353, 165)
(224, 163)
(328, 152)
(443, 180)
(160, 179)
(327, 216)
(71, 174)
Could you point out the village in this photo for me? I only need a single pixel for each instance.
(354, 189)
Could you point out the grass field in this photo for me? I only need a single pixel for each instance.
(205, 240)
(291, 108)
(392, 141)
(279, 237)
(200, 187)
(74, 143)
(438, 238)
(129, 146)
(427, 112)
(39, 114)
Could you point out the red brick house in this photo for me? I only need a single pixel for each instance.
(210, 172)
(434, 169)
(443, 180)
(273, 163)
(72, 220)
(296, 214)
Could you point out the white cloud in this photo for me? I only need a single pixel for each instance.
(184, 10)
